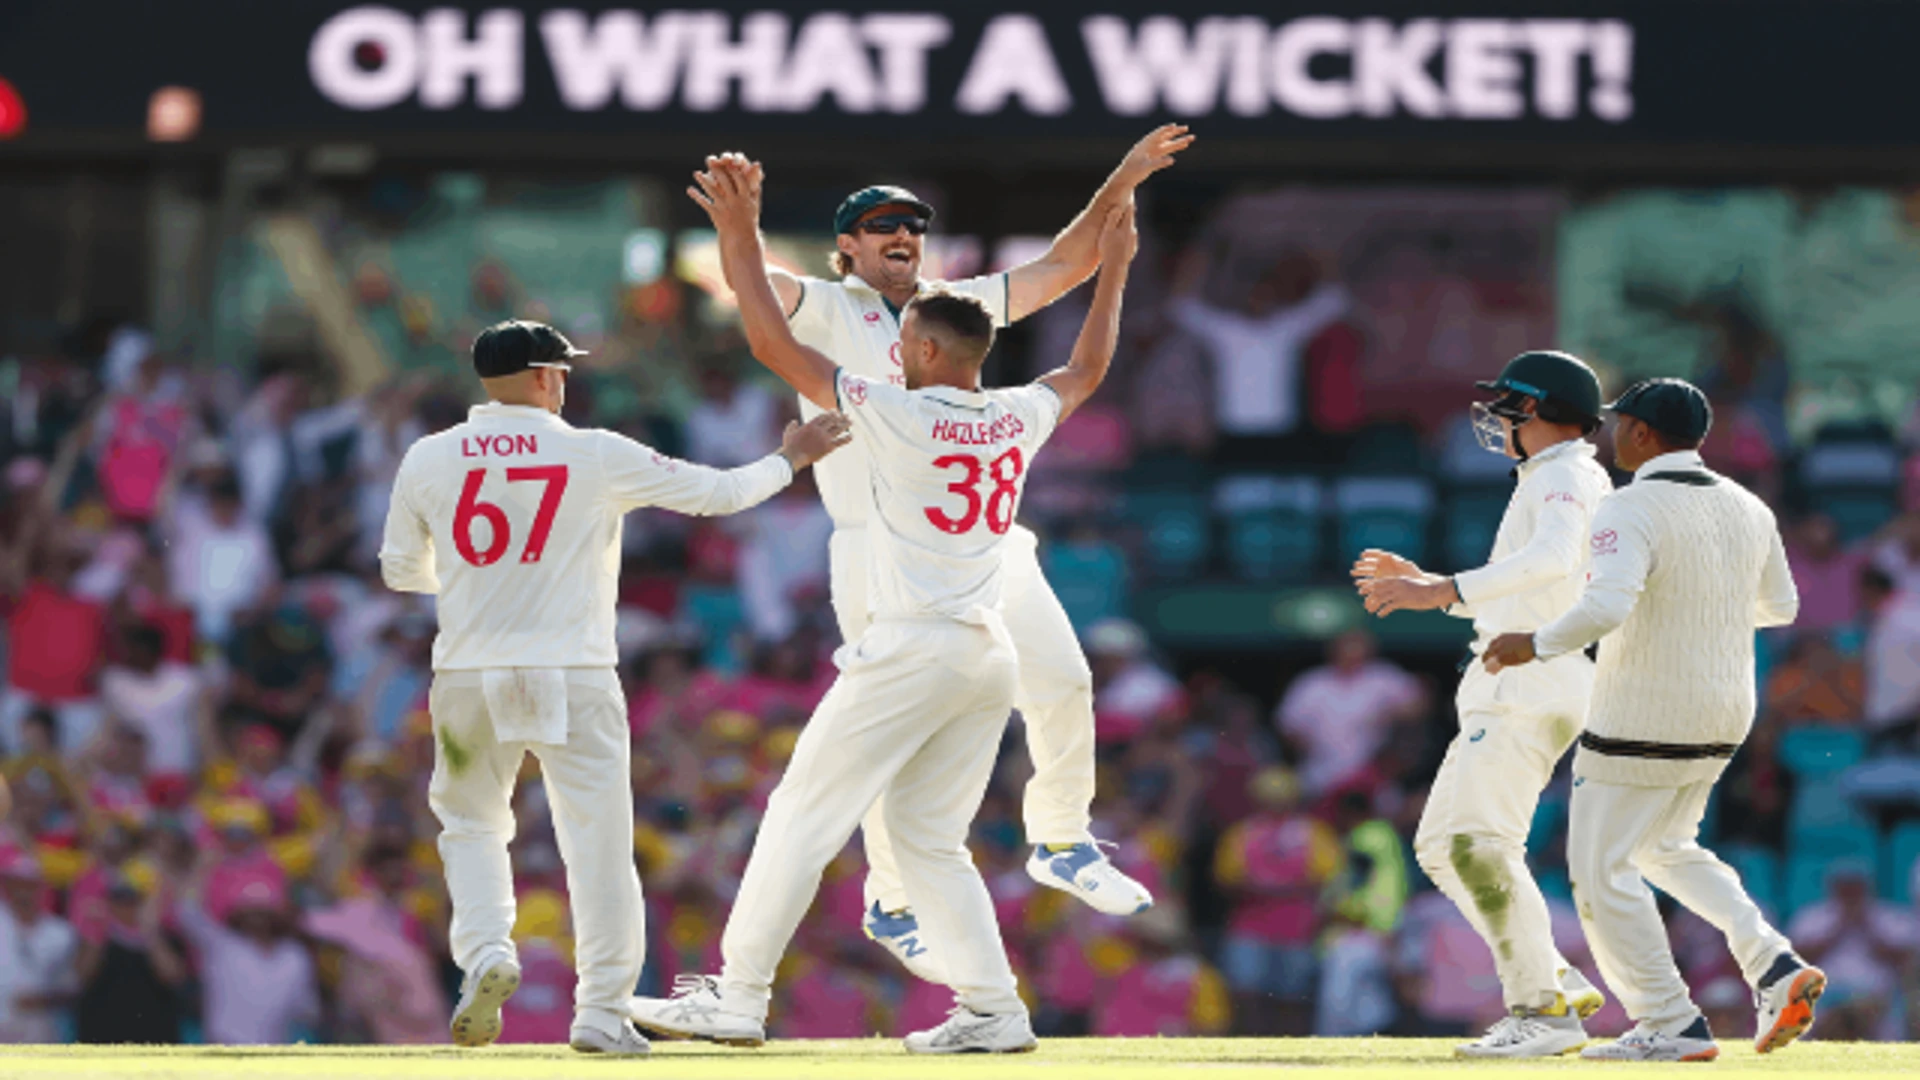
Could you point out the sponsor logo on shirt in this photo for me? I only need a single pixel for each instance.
(873, 316)
(1563, 497)
(893, 354)
(1606, 542)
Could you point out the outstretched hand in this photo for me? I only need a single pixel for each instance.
(804, 444)
(1374, 563)
(1153, 153)
(1508, 650)
(1119, 238)
(728, 189)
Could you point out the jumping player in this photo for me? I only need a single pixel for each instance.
(1514, 726)
(924, 693)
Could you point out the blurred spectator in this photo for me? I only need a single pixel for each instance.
(220, 559)
(1276, 867)
(1163, 989)
(281, 663)
(389, 986)
(1337, 716)
(783, 557)
(1892, 650)
(734, 423)
(259, 981)
(37, 979)
(1816, 683)
(132, 970)
(1756, 792)
(140, 428)
(1896, 552)
(162, 699)
(1826, 574)
(56, 636)
(1375, 889)
(1356, 981)
(1864, 945)
(1129, 689)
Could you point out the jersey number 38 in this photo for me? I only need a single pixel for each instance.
(995, 505)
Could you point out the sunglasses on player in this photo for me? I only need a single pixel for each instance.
(888, 224)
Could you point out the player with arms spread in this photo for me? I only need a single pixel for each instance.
(512, 519)
(924, 693)
(856, 320)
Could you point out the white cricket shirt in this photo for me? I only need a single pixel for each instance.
(948, 469)
(850, 322)
(513, 518)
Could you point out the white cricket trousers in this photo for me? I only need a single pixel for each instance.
(1472, 839)
(1054, 696)
(592, 798)
(1623, 837)
(917, 714)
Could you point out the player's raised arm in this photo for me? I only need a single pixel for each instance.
(1075, 253)
(729, 191)
(1093, 352)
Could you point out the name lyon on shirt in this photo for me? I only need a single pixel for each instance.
(498, 445)
(968, 433)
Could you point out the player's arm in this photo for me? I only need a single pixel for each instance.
(1622, 558)
(1075, 252)
(787, 288)
(1093, 351)
(1559, 542)
(729, 191)
(406, 551)
(1779, 600)
(639, 476)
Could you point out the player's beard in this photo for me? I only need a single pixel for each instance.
(895, 273)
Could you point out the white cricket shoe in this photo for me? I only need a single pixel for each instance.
(624, 1043)
(1083, 870)
(1786, 1003)
(1648, 1043)
(1582, 996)
(898, 932)
(698, 1010)
(1528, 1033)
(476, 1019)
(969, 1032)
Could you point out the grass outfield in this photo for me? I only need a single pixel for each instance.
(882, 1059)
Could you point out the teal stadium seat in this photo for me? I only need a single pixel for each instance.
(1853, 477)
(1822, 819)
(1897, 879)
(1806, 882)
(1090, 580)
(1175, 533)
(1759, 870)
(1389, 512)
(718, 612)
(1273, 526)
(1814, 751)
(1469, 523)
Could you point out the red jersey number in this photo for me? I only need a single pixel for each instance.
(996, 505)
(471, 506)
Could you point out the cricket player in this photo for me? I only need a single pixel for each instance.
(1513, 730)
(856, 321)
(924, 693)
(1686, 565)
(513, 520)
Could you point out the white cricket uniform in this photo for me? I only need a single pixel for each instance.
(850, 322)
(513, 520)
(1686, 565)
(1515, 725)
(923, 694)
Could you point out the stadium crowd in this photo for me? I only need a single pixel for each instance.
(214, 722)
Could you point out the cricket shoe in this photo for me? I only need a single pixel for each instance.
(1529, 1033)
(476, 1020)
(624, 1043)
(969, 1032)
(1648, 1043)
(1085, 871)
(899, 933)
(1785, 999)
(1582, 996)
(697, 1010)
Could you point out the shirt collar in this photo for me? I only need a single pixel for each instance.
(1679, 459)
(514, 412)
(856, 283)
(1569, 448)
(953, 395)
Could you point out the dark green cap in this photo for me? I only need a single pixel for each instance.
(1548, 376)
(1673, 407)
(879, 195)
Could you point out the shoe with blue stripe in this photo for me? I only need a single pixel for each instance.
(899, 933)
(1085, 871)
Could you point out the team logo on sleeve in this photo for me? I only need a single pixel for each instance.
(1606, 542)
(1563, 497)
(857, 391)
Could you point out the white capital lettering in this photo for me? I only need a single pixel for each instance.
(904, 41)
(715, 60)
(1390, 69)
(1247, 70)
(829, 57)
(1294, 46)
(493, 58)
(1556, 45)
(1137, 72)
(590, 59)
(1014, 60)
(1612, 51)
(390, 36)
(1483, 76)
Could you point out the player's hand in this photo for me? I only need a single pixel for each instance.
(804, 444)
(1375, 563)
(1386, 595)
(728, 189)
(1508, 650)
(1119, 238)
(1153, 153)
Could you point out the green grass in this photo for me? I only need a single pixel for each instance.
(882, 1059)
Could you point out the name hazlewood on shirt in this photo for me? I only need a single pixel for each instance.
(967, 433)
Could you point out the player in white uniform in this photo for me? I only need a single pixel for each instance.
(856, 321)
(925, 691)
(1515, 726)
(513, 520)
